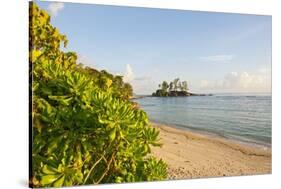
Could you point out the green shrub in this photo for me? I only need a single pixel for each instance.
(85, 130)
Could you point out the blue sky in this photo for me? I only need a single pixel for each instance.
(214, 52)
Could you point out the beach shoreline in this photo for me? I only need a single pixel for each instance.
(196, 155)
(215, 135)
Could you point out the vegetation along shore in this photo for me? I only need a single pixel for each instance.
(85, 130)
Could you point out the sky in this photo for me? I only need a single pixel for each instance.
(213, 52)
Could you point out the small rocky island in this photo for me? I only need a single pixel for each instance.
(175, 88)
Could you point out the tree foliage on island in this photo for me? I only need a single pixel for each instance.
(174, 88)
(84, 128)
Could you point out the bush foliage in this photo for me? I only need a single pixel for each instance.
(84, 128)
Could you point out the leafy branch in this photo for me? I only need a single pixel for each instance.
(84, 128)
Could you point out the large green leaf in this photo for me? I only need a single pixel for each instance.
(48, 179)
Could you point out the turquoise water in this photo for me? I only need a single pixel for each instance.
(246, 118)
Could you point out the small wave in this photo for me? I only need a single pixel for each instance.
(148, 104)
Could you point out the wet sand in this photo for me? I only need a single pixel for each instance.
(195, 155)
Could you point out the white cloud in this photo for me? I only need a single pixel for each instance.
(218, 58)
(55, 7)
(129, 75)
(259, 81)
(144, 87)
(142, 84)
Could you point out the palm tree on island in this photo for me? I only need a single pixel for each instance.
(173, 89)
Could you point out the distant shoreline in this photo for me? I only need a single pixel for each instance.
(190, 94)
(195, 155)
(218, 94)
(139, 97)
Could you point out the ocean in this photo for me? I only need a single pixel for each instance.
(242, 117)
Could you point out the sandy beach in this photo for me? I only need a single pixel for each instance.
(195, 155)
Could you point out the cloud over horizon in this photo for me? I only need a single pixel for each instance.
(55, 7)
(142, 84)
(259, 81)
(129, 75)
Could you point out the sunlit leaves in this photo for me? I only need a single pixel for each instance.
(35, 54)
(48, 179)
(64, 100)
(85, 130)
(49, 170)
